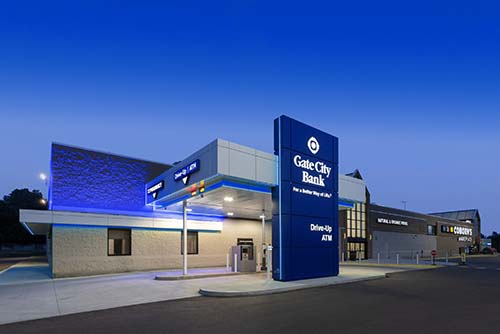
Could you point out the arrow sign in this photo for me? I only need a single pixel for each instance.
(184, 172)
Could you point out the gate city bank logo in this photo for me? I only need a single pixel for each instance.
(322, 169)
(313, 145)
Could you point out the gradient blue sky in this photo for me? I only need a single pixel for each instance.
(412, 92)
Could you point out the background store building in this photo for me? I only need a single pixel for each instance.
(407, 233)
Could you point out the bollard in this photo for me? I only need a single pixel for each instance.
(227, 262)
(359, 257)
(397, 258)
(268, 255)
(446, 257)
(417, 258)
(378, 258)
(235, 262)
(342, 259)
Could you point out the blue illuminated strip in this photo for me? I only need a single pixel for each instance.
(346, 204)
(217, 185)
(130, 227)
(279, 197)
(28, 229)
(151, 214)
(236, 185)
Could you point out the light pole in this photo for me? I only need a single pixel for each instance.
(264, 264)
(45, 179)
(341, 243)
(404, 204)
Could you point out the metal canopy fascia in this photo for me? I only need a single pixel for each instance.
(209, 202)
(214, 182)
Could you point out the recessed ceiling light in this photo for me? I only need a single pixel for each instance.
(230, 213)
(228, 199)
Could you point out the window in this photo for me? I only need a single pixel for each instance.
(356, 221)
(119, 242)
(431, 230)
(192, 243)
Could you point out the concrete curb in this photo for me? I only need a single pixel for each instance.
(398, 266)
(388, 275)
(180, 278)
(6, 269)
(229, 294)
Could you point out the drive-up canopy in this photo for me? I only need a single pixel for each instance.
(221, 179)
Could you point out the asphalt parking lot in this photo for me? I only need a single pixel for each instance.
(461, 299)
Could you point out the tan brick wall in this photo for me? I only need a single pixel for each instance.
(79, 251)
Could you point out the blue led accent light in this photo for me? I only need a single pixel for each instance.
(346, 203)
(222, 183)
(27, 228)
(146, 214)
(128, 227)
(242, 186)
(279, 208)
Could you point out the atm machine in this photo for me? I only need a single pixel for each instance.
(244, 254)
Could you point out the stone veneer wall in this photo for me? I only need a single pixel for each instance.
(90, 181)
(80, 251)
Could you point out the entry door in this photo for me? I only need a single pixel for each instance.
(358, 247)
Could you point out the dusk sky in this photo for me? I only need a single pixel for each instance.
(412, 93)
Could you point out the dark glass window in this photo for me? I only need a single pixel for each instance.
(192, 243)
(119, 241)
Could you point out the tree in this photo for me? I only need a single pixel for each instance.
(493, 235)
(11, 231)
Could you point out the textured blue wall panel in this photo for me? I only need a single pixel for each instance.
(98, 182)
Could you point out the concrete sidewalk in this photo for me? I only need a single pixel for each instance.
(27, 293)
(29, 300)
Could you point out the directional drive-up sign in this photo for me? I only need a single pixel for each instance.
(183, 173)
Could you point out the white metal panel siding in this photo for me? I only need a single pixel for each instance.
(246, 163)
(352, 188)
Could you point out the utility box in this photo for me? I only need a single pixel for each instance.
(244, 254)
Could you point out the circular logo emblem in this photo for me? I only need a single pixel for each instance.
(313, 145)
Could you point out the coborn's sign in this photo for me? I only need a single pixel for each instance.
(458, 230)
(313, 172)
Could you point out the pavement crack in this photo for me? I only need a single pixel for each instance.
(57, 297)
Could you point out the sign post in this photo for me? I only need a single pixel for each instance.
(434, 253)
